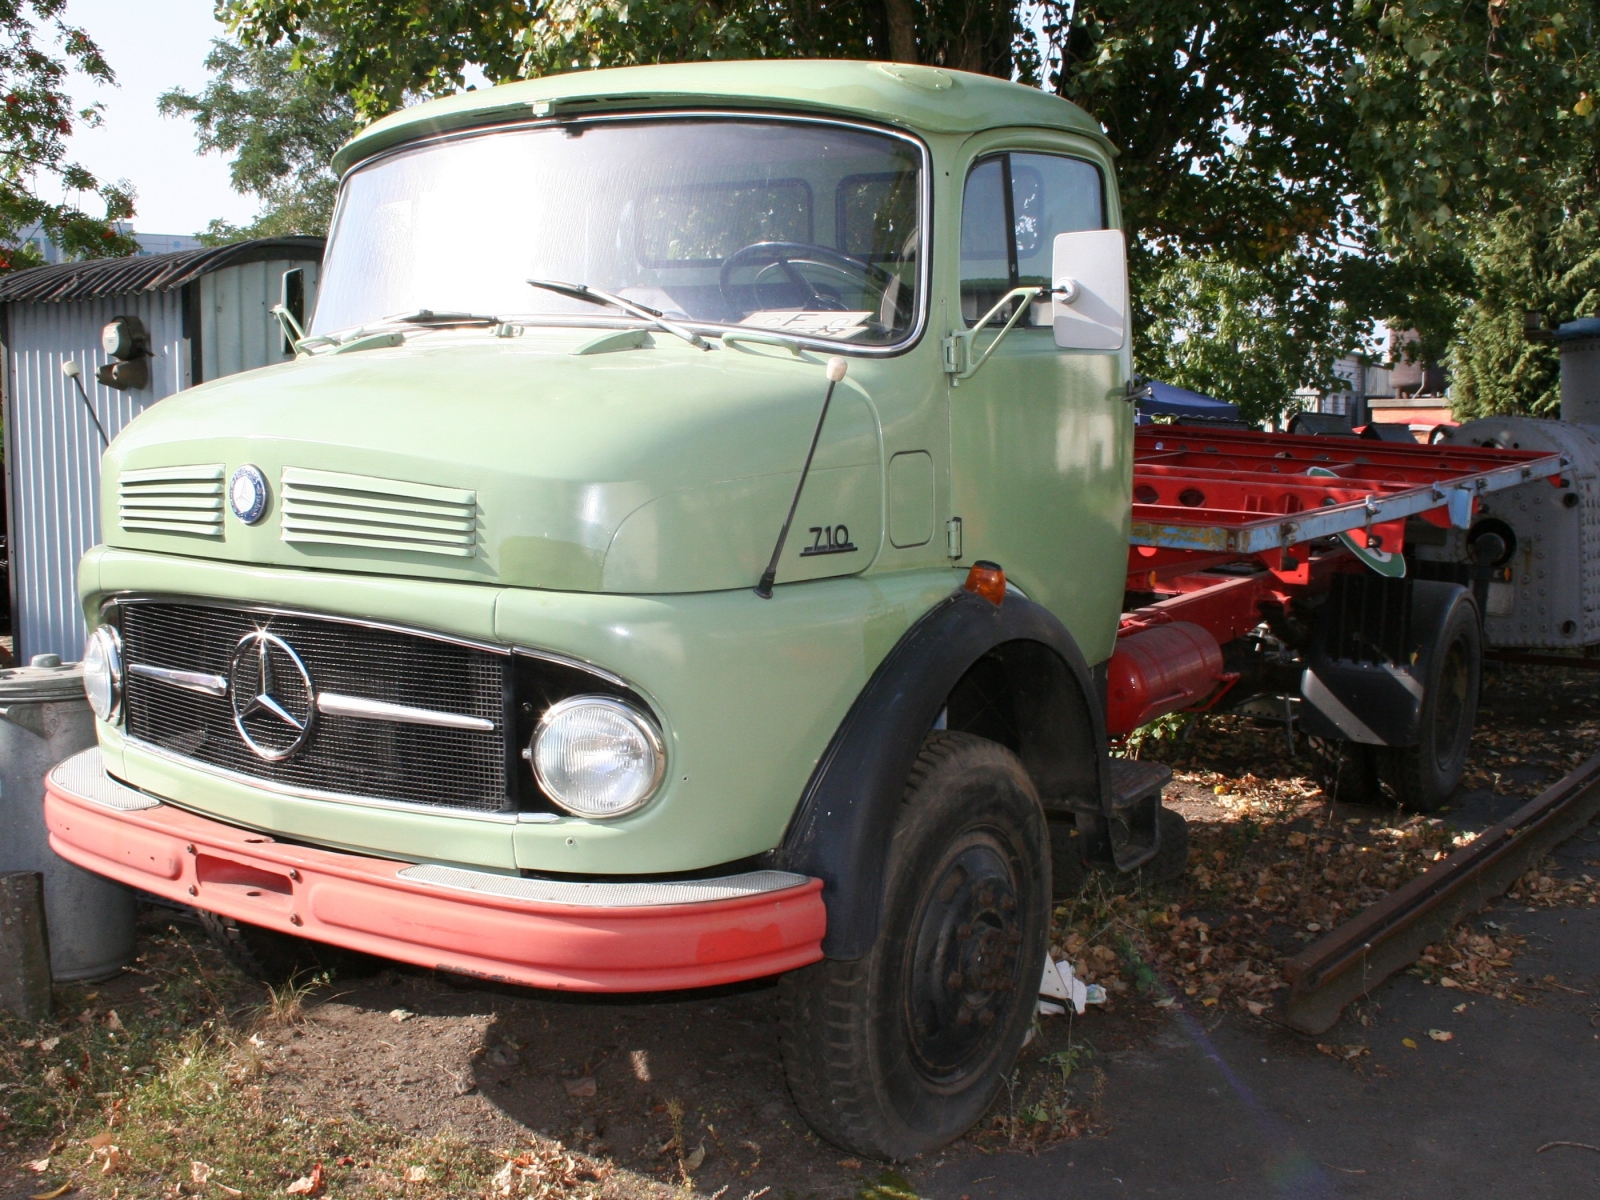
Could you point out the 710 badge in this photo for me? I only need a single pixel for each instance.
(829, 539)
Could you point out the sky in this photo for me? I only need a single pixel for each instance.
(152, 47)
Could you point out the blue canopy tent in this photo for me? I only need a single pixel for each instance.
(1167, 399)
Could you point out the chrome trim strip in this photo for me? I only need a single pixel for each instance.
(269, 610)
(923, 319)
(189, 681)
(334, 705)
(603, 894)
(502, 817)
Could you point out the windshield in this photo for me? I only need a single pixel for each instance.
(802, 227)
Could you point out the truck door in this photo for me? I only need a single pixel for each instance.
(1041, 438)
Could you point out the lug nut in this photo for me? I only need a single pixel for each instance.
(294, 874)
(294, 919)
(193, 891)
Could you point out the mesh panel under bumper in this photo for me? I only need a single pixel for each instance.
(343, 755)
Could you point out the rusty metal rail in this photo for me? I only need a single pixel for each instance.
(1388, 937)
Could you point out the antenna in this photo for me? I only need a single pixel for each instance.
(836, 371)
(74, 372)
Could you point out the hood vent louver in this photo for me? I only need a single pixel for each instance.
(184, 500)
(323, 507)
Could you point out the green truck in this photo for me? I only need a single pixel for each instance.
(606, 595)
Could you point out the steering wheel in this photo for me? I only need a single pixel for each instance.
(785, 254)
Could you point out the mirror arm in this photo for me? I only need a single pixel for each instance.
(291, 328)
(959, 363)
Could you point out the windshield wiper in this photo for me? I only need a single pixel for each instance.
(578, 291)
(425, 317)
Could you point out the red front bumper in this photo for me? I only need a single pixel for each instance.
(365, 903)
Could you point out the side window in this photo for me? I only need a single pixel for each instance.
(1013, 207)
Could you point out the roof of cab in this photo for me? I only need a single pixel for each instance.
(929, 99)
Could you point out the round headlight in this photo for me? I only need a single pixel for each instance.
(102, 672)
(596, 756)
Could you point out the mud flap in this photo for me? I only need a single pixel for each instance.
(1364, 678)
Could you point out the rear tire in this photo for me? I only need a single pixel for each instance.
(1424, 776)
(274, 958)
(1347, 772)
(902, 1051)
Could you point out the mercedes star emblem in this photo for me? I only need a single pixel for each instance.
(271, 695)
(247, 494)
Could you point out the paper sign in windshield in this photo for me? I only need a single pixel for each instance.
(810, 324)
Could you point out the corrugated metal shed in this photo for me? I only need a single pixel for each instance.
(208, 315)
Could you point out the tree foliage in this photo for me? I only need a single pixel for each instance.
(37, 50)
(1478, 144)
(1290, 169)
(281, 125)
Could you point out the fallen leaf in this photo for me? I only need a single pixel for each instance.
(231, 1191)
(1446, 982)
(580, 1087)
(54, 1193)
(39, 1167)
(1408, 1043)
(1459, 1008)
(99, 1141)
(1208, 1001)
(199, 1172)
(113, 1021)
(398, 1015)
(307, 1185)
(115, 1159)
(850, 1164)
(1256, 1007)
(49, 1044)
(1440, 1035)
(416, 1174)
(696, 1157)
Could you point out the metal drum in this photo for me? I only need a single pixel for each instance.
(44, 718)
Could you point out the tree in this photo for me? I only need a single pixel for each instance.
(280, 123)
(1479, 140)
(35, 120)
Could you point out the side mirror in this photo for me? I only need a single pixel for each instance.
(1089, 285)
(292, 302)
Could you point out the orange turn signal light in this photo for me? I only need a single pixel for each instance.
(986, 579)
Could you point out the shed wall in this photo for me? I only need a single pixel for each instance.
(237, 329)
(53, 449)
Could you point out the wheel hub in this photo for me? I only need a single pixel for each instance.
(964, 968)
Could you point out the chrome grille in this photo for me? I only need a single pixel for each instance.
(171, 500)
(344, 755)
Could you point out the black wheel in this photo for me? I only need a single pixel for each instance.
(1347, 772)
(1069, 861)
(901, 1052)
(1172, 855)
(1423, 776)
(270, 957)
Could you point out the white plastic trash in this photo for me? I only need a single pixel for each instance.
(1060, 986)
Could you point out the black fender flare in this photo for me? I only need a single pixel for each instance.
(841, 828)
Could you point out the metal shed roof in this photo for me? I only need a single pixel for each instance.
(97, 278)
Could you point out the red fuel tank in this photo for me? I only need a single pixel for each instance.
(1157, 671)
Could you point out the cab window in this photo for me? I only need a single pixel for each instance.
(1013, 206)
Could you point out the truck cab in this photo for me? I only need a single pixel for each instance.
(444, 641)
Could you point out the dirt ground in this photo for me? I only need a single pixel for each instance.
(181, 1078)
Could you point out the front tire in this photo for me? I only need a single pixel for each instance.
(902, 1051)
(274, 958)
